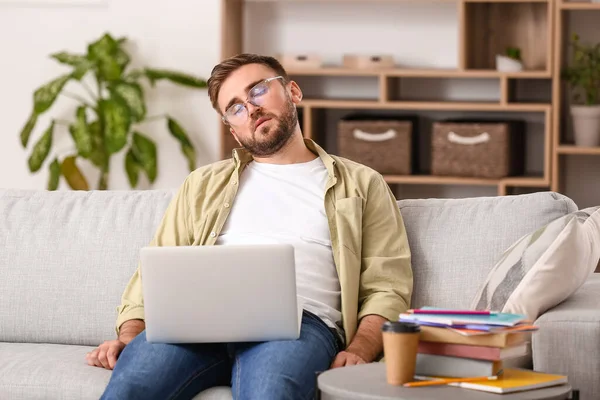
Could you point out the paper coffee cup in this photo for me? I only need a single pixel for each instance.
(400, 346)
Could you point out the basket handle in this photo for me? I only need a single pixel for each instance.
(456, 138)
(375, 137)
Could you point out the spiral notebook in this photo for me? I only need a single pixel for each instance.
(515, 380)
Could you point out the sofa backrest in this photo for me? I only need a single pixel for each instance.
(456, 242)
(65, 257)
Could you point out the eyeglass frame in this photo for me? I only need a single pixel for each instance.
(245, 102)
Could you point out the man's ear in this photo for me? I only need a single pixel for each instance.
(235, 136)
(296, 92)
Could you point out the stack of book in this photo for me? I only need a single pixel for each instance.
(466, 344)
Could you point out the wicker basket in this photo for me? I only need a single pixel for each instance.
(386, 144)
(482, 149)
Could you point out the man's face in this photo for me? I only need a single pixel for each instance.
(265, 129)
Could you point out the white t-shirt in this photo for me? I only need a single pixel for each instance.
(285, 204)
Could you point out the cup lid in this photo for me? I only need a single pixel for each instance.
(400, 327)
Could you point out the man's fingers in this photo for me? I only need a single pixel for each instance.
(102, 358)
(93, 358)
(339, 361)
(111, 355)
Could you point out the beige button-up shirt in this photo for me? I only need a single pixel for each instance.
(368, 237)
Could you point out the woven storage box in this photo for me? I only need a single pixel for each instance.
(482, 149)
(385, 143)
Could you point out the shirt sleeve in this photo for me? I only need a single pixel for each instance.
(175, 229)
(386, 281)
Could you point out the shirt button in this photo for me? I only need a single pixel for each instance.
(213, 234)
(226, 205)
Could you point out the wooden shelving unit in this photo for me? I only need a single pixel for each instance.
(486, 27)
(561, 146)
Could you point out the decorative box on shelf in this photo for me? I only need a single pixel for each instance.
(478, 148)
(292, 61)
(385, 143)
(366, 61)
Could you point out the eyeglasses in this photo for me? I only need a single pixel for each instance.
(237, 114)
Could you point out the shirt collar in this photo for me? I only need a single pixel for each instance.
(242, 157)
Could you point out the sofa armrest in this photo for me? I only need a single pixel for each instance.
(568, 341)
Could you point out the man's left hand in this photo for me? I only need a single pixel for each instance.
(346, 358)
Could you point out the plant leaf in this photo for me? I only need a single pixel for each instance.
(28, 128)
(186, 146)
(44, 97)
(104, 53)
(116, 121)
(122, 58)
(133, 95)
(73, 174)
(80, 132)
(133, 75)
(98, 155)
(41, 149)
(175, 77)
(54, 174)
(132, 167)
(82, 69)
(68, 58)
(80, 62)
(144, 150)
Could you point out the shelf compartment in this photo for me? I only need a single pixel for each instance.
(529, 90)
(339, 87)
(490, 27)
(425, 106)
(451, 90)
(578, 150)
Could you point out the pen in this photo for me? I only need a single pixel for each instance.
(447, 381)
(455, 312)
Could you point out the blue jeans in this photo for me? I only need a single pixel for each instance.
(275, 370)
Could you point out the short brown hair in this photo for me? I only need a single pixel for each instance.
(222, 70)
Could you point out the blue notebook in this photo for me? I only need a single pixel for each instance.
(494, 319)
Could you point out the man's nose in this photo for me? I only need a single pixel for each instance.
(252, 108)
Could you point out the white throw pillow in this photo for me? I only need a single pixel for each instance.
(544, 268)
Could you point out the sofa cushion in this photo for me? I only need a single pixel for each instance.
(49, 371)
(545, 267)
(55, 371)
(456, 242)
(66, 258)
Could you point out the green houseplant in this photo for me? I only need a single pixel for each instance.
(106, 120)
(583, 77)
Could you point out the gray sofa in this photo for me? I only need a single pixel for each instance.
(65, 258)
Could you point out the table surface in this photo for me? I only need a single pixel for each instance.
(368, 381)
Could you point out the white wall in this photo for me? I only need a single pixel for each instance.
(184, 34)
(179, 34)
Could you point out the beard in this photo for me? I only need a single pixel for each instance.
(266, 141)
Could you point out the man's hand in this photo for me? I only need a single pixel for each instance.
(345, 358)
(106, 354)
(366, 345)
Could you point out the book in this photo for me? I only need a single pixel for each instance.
(495, 319)
(500, 339)
(453, 367)
(473, 352)
(515, 380)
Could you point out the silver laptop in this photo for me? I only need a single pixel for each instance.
(209, 294)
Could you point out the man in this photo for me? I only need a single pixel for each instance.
(352, 255)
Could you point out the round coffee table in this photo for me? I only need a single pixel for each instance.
(368, 381)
